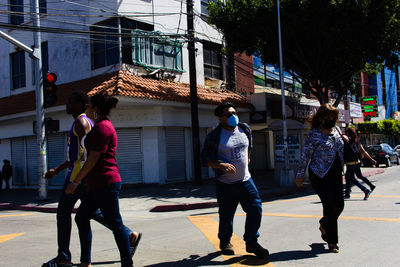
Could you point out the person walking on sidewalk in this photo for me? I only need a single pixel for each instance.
(353, 164)
(75, 106)
(103, 181)
(6, 174)
(323, 153)
(227, 151)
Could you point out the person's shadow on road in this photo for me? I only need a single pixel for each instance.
(249, 260)
(316, 248)
(208, 260)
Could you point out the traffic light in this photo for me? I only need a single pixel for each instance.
(50, 89)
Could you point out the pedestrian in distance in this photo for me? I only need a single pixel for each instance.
(353, 155)
(227, 151)
(6, 174)
(103, 181)
(75, 106)
(323, 153)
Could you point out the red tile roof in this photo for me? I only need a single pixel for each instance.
(122, 83)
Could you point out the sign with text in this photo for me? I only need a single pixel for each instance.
(305, 111)
(369, 106)
(293, 148)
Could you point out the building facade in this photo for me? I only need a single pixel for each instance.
(134, 49)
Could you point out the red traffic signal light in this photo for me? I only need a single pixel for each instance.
(50, 88)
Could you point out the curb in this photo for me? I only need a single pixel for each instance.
(180, 207)
(5, 206)
(187, 206)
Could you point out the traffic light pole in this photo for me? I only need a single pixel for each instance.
(193, 93)
(40, 131)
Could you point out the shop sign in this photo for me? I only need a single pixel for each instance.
(293, 148)
(305, 111)
(369, 106)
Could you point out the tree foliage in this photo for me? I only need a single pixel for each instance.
(324, 42)
(389, 127)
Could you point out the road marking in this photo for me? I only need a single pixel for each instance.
(347, 218)
(209, 227)
(4, 238)
(16, 215)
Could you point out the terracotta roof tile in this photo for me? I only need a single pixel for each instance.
(125, 84)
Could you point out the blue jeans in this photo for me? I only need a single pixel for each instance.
(229, 196)
(64, 222)
(107, 200)
(350, 179)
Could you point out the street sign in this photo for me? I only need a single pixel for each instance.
(369, 106)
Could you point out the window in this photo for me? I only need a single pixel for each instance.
(16, 6)
(105, 44)
(42, 6)
(212, 60)
(45, 57)
(152, 50)
(17, 69)
(105, 41)
(204, 4)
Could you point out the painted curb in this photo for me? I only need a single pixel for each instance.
(180, 207)
(5, 206)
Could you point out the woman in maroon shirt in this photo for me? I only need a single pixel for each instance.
(103, 181)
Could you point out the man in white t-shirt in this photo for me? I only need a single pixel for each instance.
(227, 151)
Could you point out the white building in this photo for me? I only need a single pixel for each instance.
(105, 46)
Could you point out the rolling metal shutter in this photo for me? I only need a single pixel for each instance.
(129, 155)
(18, 161)
(32, 160)
(175, 144)
(56, 154)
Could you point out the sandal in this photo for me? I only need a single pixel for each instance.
(134, 239)
(333, 248)
(323, 234)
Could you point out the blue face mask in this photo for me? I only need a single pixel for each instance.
(233, 120)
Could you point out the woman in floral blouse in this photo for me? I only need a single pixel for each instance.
(323, 153)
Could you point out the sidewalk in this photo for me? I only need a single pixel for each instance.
(159, 198)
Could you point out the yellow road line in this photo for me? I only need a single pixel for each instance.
(209, 227)
(16, 215)
(315, 197)
(4, 238)
(347, 218)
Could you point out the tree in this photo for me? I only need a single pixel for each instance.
(324, 42)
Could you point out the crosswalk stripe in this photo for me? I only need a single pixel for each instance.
(209, 227)
(4, 238)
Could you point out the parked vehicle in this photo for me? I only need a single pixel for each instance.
(383, 154)
(397, 149)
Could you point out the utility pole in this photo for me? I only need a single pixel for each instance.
(285, 173)
(193, 93)
(40, 131)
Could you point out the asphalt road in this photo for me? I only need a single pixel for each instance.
(368, 233)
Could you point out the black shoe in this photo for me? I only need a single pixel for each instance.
(346, 196)
(57, 262)
(372, 188)
(258, 250)
(226, 249)
(367, 194)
